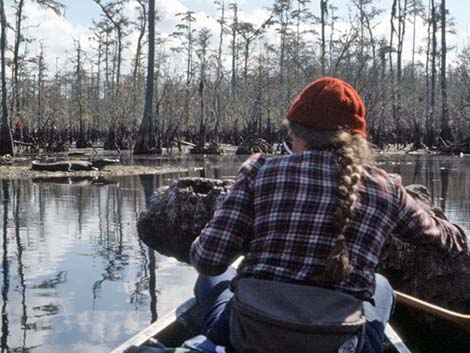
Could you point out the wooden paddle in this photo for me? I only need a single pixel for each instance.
(446, 314)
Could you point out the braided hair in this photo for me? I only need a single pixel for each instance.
(352, 152)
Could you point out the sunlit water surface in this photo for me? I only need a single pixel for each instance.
(75, 276)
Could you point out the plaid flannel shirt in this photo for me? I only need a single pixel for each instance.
(279, 214)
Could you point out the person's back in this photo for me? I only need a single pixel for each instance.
(320, 216)
(294, 204)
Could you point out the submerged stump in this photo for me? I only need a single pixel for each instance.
(178, 213)
(208, 148)
(254, 145)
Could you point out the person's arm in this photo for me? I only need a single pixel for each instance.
(226, 235)
(417, 226)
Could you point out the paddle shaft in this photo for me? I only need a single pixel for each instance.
(415, 303)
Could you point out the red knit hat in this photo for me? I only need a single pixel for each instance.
(329, 103)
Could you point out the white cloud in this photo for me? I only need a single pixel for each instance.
(55, 32)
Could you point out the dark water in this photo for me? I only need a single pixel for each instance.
(76, 278)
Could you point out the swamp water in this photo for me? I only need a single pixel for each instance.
(75, 277)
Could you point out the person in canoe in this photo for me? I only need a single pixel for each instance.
(311, 226)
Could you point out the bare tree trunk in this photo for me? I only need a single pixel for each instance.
(203, 40)
(417, 128)
(402, 18)
(119, 60)
(15, 102)
(429, 137)
(202, 125)
(137, 60)
(97, 114)
(324, 13)
(392, 73)
(106, 63)
(6, 140)
(282, 10)
(446, 132)
(41, 69)
(234, 7)
(380, 125)
(118, 23)
(433, 64)
(81, 140)
(221, 39)
(216, 100)
(146, 139)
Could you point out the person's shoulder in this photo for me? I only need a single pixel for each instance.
(253, 164)
(258, 161)
(380, 177)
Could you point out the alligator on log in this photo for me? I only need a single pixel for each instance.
(72, 165)
(178, 213)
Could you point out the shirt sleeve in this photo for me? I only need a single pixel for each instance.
(417, 226)
(230, 229)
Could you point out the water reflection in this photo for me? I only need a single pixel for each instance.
(19, 247)
(5, 268)
(149, 185)
(76, 277)
(74, 273)
(445, 177)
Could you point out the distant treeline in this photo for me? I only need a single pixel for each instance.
(243, 85)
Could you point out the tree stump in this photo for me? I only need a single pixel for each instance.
(208, 148)
(254, 145)
(178, 213)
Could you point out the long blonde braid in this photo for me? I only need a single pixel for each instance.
(352, 152)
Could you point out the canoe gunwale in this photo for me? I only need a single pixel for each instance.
(158, 326)
(150, 332)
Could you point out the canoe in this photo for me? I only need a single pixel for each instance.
(183, 323)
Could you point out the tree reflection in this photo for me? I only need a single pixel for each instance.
(444, 171)
(152, 286)
(148, 186)
(5, 268)
(19, 247)
(430, 177)
(60, 277)
(46, 310)
(111, 247)
(113, 272)
(417, 170)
